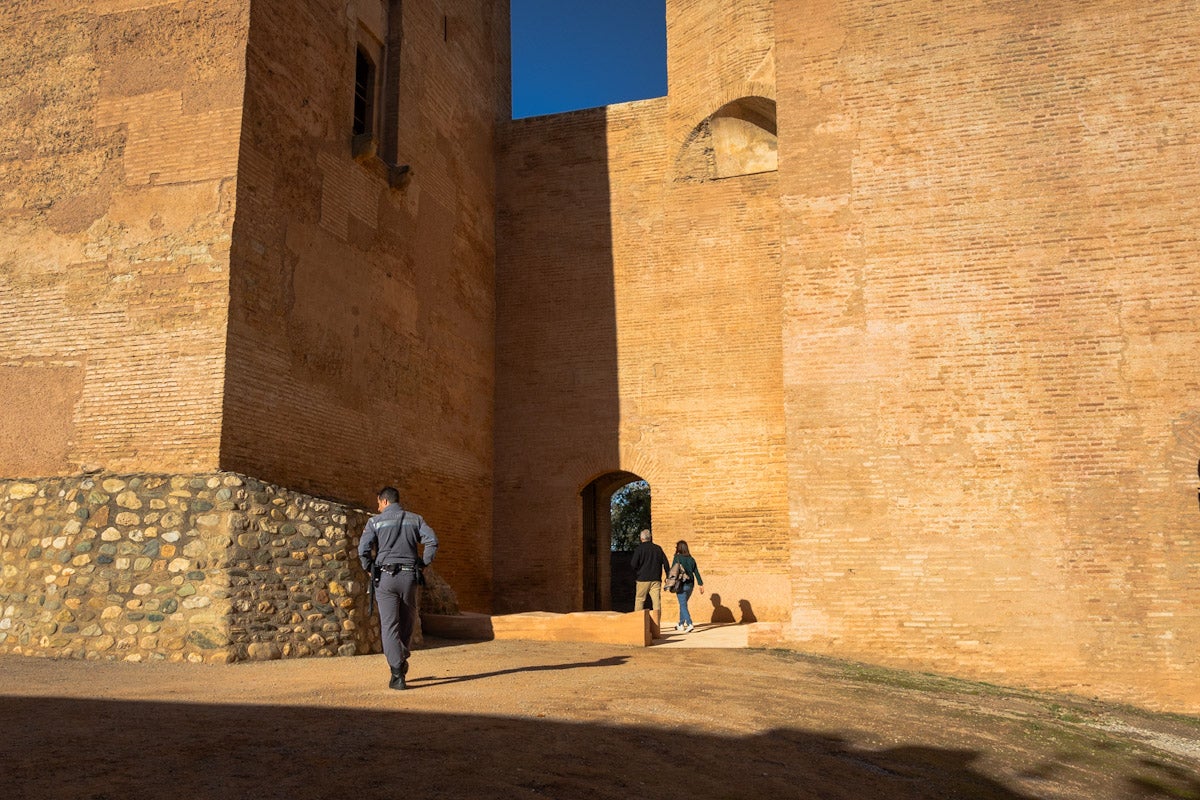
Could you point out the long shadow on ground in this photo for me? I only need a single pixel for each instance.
(105, 750)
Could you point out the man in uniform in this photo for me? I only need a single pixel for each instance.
(394, 535)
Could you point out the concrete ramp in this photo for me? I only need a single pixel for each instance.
(716, 635)
(601, 627)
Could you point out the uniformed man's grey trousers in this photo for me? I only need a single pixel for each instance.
(396, 596)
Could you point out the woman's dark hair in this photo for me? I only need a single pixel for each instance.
(681, 548)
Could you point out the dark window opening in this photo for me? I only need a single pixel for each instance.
(364, 93)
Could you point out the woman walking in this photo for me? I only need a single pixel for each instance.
(691, 579)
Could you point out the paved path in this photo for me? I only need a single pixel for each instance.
(705, 636)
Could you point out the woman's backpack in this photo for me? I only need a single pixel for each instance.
(675, 578)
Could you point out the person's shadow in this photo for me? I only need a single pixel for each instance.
(747, 613)
(611, 661)
(721, 615)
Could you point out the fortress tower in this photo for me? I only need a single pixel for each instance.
(890, 303)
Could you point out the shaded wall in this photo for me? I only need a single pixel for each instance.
(639, 330)
(362, 309)
(556, 401)
(118, 150)
(990, 339)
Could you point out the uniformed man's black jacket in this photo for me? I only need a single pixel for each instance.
(394, 533)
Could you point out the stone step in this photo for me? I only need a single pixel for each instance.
(602, 627)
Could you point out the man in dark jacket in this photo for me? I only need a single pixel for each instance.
(649, 563)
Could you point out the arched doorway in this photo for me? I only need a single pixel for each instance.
(604, 584)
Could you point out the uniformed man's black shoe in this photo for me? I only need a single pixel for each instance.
(397, 681)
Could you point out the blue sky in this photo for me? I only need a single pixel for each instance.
(570, 54)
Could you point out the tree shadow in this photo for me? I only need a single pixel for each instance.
(1158, 779)
(103, 750)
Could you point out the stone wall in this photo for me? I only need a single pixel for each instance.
(210, 567)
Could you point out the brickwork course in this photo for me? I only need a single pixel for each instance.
(888, 302)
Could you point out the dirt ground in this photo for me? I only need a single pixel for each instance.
(509, 719)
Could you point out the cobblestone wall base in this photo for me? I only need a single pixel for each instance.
(213, 567)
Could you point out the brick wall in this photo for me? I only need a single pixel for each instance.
(361, 322)
(640, 332)
(956, 319)
(119, 130)
(989, 338)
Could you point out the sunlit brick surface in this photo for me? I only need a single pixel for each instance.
(980, 385)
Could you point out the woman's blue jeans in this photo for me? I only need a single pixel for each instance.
(685, 618)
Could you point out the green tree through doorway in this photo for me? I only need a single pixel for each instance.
(630, 514)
